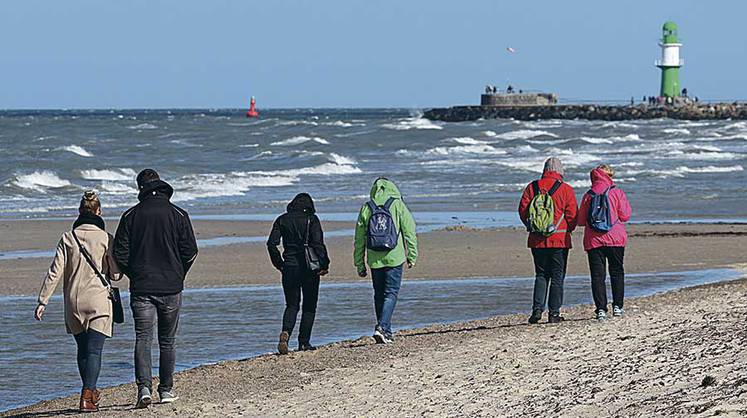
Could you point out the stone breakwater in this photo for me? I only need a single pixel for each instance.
(589, 112)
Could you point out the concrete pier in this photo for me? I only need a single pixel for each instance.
(589, 112)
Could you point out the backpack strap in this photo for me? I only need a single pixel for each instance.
(389, 203)
(372, 205)
(536, 187)
(554, 187)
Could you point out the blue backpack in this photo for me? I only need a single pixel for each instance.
(382, 234)
(600, 216)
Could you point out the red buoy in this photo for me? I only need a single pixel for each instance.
(252, 113)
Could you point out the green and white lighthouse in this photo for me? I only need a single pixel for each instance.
(670, 61)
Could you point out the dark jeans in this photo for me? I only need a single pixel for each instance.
(298, 281)
(386, 284)
(549, 270)
(145, 310)
(598, 258)
(90, 344)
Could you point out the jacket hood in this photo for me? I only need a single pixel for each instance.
(90, 219)
(155, 187)
(600, 181)
(549, 174)
(301, 203)
(382, 190)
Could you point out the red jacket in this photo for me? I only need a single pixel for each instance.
(565, 207)
(620, 211)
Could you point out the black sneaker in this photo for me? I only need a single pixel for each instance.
(555, 319)
(378, 335)
(536, 316)
(306, 347)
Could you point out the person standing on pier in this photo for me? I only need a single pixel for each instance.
(385, 238)
(548, 210)
(155, 247)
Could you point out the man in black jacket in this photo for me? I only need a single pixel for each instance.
(155, 246)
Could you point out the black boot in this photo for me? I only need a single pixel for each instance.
(536, 316)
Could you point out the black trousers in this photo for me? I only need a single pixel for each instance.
(299, 281)
(549, 269)
(598, 259)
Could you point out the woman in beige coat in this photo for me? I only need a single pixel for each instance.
(88, 309)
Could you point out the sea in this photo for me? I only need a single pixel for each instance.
(219, 162)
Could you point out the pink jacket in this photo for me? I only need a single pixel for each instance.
(620, 206)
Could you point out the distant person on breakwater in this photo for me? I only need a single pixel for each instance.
(304, 259)
(155, 247)
(385, 238)
(603, 213)
(548, 210)
(88, 309)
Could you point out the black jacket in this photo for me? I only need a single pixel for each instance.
(155, 245)
(291, 227)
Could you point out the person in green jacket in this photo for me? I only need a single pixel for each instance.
(388, 209)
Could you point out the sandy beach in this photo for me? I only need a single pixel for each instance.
(444, 254)
(680, 353)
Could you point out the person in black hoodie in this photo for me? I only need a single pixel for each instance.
(155, 247)
(296, 227)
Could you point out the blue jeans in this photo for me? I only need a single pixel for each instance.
(145, 310)
(386, 283)
(90, 344)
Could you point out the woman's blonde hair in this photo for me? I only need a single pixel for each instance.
(607, 169)
(89, 203)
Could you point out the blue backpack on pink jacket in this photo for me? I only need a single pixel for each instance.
(600, 213)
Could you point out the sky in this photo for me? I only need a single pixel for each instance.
(355, 53)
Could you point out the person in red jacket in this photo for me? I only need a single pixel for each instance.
(550, 253)
(603, 247)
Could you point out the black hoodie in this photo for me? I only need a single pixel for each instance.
(291, 227)
(155, 245)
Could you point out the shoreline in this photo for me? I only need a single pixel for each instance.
(254, 372)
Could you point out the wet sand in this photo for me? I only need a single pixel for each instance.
(443, 254)
(683, 353)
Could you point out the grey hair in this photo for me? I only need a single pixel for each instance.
(554, 164)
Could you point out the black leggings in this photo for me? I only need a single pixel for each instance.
(297, 281)
(90, 345)
(598, 259)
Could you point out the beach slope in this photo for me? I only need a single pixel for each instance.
(682, 353)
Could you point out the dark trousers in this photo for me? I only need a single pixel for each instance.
(299, 281)
(145, 310)
(549, 270)
(598, 259)
(386, 284)
(90, 345)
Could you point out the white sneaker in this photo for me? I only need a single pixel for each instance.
(618, 311)
(168, 397)
(143, 398)
(601, 316)
(378, 335)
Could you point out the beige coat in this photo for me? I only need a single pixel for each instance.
(87, 304)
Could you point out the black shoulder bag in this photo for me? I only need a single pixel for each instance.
(312, 258)
(117, 310)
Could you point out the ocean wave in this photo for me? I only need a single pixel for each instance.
(110, 187)
(343, 124)
(524, 134)
(341, 159)
(297, 140)
(466, 149)
(682, 171)
(118, 174)
(489, 134)
(297, 122)
(249, 146)
(203, 186)
(676, 131)
(465, 140)
(412, 123)
(77, 149)
(143, 126)
(40, 180)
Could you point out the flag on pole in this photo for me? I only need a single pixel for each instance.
(510, 50)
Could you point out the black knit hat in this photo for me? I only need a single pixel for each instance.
(146, 176)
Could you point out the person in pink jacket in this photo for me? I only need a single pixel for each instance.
(605, 241)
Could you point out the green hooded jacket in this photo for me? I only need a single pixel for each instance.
(407, 244)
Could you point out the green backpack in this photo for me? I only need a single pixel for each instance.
(542, 211)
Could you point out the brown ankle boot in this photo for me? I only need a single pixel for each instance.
(96, 397)
(86, 402)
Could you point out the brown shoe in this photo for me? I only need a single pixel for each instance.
(86, 402)
(283, 343)
(96, 397)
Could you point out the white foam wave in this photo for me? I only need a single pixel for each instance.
(249, 146)
(217, 185)
(40, 180)
(77, 149)
(524, 134)
(465, 140)
(341, 159)
(297, 122)
(143, 126)
(412, 123)
(682, 171)
(466, 149)
(297, 140)
(490, 134)
(119, 174)
(115, 188)
(676, 131)
(343, 124)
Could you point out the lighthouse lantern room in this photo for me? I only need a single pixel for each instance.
(670, 61)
